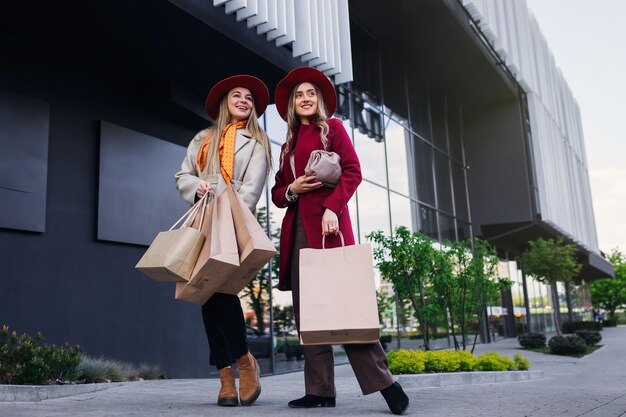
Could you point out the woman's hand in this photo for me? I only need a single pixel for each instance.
(304, 184)
(203, 189)
(330, 223)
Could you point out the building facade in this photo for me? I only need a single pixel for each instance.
(463, 124)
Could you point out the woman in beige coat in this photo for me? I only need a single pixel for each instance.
(234, 150)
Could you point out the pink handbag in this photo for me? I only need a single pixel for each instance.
(325, 166)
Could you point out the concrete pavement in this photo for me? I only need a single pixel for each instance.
(593, 386)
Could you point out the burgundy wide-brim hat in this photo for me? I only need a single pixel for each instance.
(257, 87)
(300, 75)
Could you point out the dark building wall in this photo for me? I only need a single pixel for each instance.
(495, 152)
(72, 287)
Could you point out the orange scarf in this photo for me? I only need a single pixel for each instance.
(226, 150)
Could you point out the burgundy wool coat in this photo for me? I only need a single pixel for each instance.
(311, 205)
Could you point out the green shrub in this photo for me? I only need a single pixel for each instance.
(521, 363)
(493, 361)
(572, 326)
(609, 323)
(591, 337)
(532, 340)
(404, 361)
(94, 370)
(23, 360)
(414, 362)
(567, 345)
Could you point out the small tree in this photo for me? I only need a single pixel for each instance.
(257, 290)
(551, 261)
(610, 293)
(464, 281)
(405, 260)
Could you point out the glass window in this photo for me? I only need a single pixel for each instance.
(438, 114)
(372, 157)
(460, 195)
(462, 230)
(373, 209)
(424, 171)
(420, 113)
(396, 138)
(446, 225)
(442, 179)
(428, 222)
(454, 132)
(275, 126)
(401, 211)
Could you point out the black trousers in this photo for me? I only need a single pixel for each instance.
(225, 329)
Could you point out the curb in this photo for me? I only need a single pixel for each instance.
(467, 378)
(34, 393)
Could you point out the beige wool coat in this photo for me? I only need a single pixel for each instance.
(249, 172)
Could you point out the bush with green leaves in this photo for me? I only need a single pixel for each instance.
(532, 340)
(591, 337)
(93, 370)
(24, 360)
(521, 363)
(493, 361)
(572, 326)
(569, 345)
(609, 323)
(404, 361)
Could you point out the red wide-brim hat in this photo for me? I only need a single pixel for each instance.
(257, 87)
(300, 75)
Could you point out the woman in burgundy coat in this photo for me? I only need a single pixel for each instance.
(306, 100)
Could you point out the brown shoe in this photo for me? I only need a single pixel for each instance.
(228, 392)
(249, 385)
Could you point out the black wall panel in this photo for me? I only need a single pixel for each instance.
(137, 198)
(24, 123)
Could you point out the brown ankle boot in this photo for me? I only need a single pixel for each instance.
(249, 385)
(228, 392)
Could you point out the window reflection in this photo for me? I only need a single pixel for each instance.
(396, 138)
(428, 222)
(424, 171)
(446, 225)
(372, 157)
(373, 209)
(444, 185)
(400, 211)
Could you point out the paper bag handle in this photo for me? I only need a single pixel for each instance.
(193, 211)
(324, 239)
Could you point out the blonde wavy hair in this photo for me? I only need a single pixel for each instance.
(293, 120)
(215, 131)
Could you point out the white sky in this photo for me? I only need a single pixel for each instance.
(588, 40)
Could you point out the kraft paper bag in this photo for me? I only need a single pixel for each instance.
(338, 296)
(173, 254)
(255, 248)
(218, 258)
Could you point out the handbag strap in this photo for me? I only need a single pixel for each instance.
(324, 240)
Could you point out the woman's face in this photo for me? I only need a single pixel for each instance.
(306, 101)
(240, 104)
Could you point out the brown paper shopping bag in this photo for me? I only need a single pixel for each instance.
(338, 296)
(218, 258)
(255, 248)
(173, 254)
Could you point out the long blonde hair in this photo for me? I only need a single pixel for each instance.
(293, 120)
(215, 132)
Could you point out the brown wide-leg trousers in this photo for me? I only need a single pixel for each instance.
(368, 361)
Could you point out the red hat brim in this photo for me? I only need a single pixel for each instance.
(295, 77)
(257, 87)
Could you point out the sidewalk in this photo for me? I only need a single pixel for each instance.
(593, 386)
